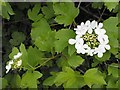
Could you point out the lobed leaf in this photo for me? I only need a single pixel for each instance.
(63, 12)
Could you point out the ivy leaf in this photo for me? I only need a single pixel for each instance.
(75, 60)
(94, 76)
(34, 13)
(48, 11)
(6, 10)
(110, 26)
(63, 12)
(69, 78)
(17, 38)
(113, 69)
(110, 5)
(46, 43)
(29, 79)
(40, 28)
(62, 37)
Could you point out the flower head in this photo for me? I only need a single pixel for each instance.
(90, 39)
(15, 63)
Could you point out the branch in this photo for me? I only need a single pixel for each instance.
(90, 13)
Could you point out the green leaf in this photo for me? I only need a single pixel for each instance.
(106, 56)
(14, 52)
(71, 49)
(14, 80)
(110, 26)
(113, 69)
(3, 83)
(62, 37)
(49, 81)
(34, 13)
(46, 43)
(6, 10)
(94, 76)
(17, 38)
(29, 79)
(69, 79)
(112, 82)
(24, 56)
(63, 12)
(63, 62)
(40, 28)
(75, 60)
(48, 11)
(34, 56)
(97, 5)
(110, 5)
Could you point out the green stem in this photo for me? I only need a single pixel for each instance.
(48, 59)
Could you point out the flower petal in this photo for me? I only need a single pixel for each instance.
(72, 41)
(100, 55)
(100, 25)
(107, 47)
(93, 24)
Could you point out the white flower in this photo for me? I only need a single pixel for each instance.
(8, 66)
(18, 55)
(19, 63)
(90, 51)
(81, 48)
(91, 39)
(99, 51)
(81, 29)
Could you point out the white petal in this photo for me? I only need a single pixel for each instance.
(76, 29)
(100, 25)
(85, 46)
(78, 32)
(17, 56)
(11, 62)
(107, 47)
(82, 24)
(93, 24)
(87, 23)
(102, 31)
(78, 51)
(90, 31)
(97, 31)
(100, 55)
(72, 41)
(77, 45)
(8, 67)
(19, 63)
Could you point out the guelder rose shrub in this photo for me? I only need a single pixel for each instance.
(60, 44)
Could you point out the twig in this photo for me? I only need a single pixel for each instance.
(12, 22)
(48, 59)
(90, 13)
(78, 8)
(101, 14)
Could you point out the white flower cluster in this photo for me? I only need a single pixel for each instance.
(15, 63)
(90, 38)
